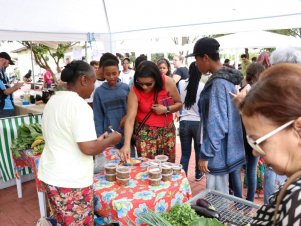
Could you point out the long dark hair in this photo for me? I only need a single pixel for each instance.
(148, 69)
(166, 62)
(193, 85)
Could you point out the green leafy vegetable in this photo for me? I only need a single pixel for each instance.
(181, 215)
(25, 136)
(202, 221)
(153, 219)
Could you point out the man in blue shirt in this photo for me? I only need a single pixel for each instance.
(6, 91)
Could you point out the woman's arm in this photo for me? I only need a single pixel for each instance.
(129, 122)
(173, 92)
(95, 147)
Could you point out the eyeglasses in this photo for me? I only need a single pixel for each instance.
(255, 143)
(144, 84)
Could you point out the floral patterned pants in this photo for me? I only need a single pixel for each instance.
(71, 206)
(152, 141)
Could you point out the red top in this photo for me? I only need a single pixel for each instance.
(145, 102)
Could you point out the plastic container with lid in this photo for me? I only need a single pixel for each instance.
(166, 168)
(123, 181)
(154, 172)
(167, 177)
(161, 158)
(110, 168)
(177, 169)
(111, 177)
(155, 182)
(123, 172)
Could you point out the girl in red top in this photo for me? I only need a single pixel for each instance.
(157, 135)
(47, 79)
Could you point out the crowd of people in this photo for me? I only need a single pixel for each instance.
(231, 121)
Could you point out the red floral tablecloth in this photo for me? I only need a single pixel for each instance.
(28, 159)
(123, 203)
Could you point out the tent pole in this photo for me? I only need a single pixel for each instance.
(86, 52)
(32, 67)
(108, 24)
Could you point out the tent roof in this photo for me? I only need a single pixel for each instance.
(69, 20)
(257, 39)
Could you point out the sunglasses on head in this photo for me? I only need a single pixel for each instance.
(144, 83)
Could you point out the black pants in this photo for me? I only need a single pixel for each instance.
(7, 113)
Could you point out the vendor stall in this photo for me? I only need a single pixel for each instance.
(123, 203)
(21, 109)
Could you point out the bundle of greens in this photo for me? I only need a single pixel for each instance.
(202, 221)
(153, 219)
(180, 215)
(27, 135)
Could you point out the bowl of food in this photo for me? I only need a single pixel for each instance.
(161, 158)
(134, 162)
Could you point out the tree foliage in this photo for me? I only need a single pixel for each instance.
(42, 53)
(295, 32)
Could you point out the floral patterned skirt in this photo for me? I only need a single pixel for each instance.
(71, 206)
(152, 141)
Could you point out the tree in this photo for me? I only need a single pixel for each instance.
(184, 40)
(295, 32)
(42, 52)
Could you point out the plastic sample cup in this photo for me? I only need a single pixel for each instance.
(110, 168)
(166, 168)
(154, 172)
(155, 182)
(161, 158)
(123, 181)
(111, 177)
(177, 169)
(123, 172)
(166, 177)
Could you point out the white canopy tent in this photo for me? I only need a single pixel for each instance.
(112, 20)
(257, 39)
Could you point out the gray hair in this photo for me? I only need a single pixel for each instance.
(286, 55)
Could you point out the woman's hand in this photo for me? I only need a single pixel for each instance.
(124, 153)
(240, 96)
(203, 166)
(159, 109)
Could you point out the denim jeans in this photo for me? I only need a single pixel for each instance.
(189, 131)
(218, 182)
(235, 178)
(272, 181)
(251, 176)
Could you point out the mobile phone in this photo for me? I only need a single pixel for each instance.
(110, 129)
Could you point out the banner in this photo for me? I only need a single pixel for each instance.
(8, 131)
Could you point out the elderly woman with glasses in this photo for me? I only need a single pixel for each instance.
(151, 102)
(271, 113)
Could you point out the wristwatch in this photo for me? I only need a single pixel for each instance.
(167, 110)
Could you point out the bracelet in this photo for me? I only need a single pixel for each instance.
(167, 109)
